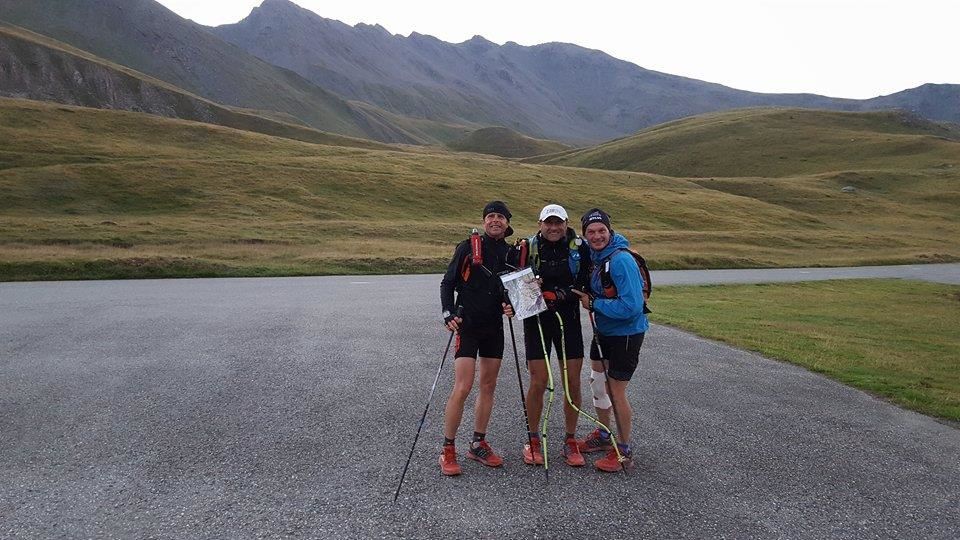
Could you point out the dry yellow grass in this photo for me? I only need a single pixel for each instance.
(90, 193)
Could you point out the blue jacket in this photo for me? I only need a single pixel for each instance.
(623, 315)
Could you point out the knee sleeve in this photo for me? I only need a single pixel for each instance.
(598, 383)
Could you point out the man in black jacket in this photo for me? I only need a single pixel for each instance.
(475, 278)
(561, 259)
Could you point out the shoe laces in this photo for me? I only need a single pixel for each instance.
(482, 449)
(596, 440)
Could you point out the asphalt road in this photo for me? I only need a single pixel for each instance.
(247, 408)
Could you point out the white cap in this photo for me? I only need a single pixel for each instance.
(553, 210)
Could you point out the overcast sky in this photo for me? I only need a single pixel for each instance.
(838, 48)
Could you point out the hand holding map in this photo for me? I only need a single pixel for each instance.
(523, 288)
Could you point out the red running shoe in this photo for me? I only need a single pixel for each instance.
(448, 461)
(609, 462)
(534, 457)
(594, 443)
(482, 452)
(571, 453)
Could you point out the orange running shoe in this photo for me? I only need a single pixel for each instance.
(448, 461)
(482, 452)
(609, 463)
(571, 453)
(594, 443)
(533, 456)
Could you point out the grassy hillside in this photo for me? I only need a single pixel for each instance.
(505, 142)
(93, 193)
(774, 143)
(418, 130)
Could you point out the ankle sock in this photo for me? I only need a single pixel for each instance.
(477, 436)
(448, 442)
(604, 434)
(533, 434)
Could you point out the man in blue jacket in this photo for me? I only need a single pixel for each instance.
(616, 301)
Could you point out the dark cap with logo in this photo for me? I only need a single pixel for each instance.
(595, 215)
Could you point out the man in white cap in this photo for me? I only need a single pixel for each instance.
(562, 259)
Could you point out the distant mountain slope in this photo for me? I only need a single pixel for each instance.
(505, 142)
(938, 102)
(555, 90)
(36, 67)
(774, 143)
(146, 36)
(362, 81)
(97, 193)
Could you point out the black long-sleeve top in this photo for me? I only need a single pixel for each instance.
(481, 294)
(554, 267)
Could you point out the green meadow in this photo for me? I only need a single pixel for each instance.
(104, 194)
(892, 338)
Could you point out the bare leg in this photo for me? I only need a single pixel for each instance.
(618, 391)
(489, 369)
(464, 369)
(538, 385)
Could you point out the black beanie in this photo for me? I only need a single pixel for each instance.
(497, 206)
(595, 215)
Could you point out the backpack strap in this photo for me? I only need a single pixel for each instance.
(533, 254)
(645, 274)
(466, 265)
(606, 281)
(573, 259)
(521, 250)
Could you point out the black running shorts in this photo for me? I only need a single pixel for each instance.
(573, 334)
(485, 342)
(622, 354)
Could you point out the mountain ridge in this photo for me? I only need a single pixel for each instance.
(148, 37)
(288, 63)
(553, 90)
(36, 67)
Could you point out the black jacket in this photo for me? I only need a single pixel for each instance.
(554, 268)
(481, 293)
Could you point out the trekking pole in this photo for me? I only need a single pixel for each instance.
(427, 408)
(546, 413)
(606, 378)
(566, 386)
(523, 399)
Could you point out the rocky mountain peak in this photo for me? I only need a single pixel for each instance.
(479, 42)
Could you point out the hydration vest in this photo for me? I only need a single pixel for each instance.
(610, 289)
(530, 253)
